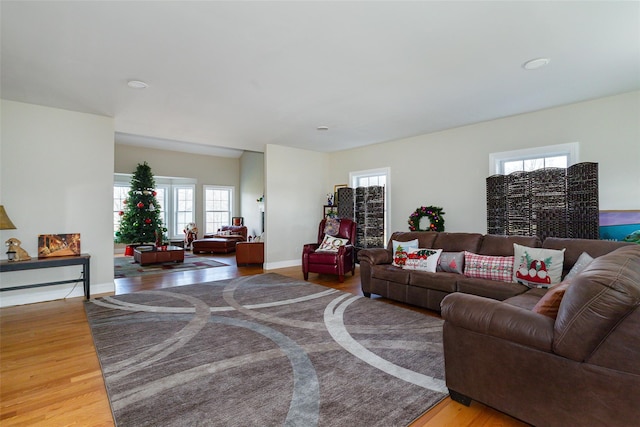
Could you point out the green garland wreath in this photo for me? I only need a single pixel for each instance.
(434, 214)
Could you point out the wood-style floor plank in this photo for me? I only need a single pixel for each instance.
(50, 374)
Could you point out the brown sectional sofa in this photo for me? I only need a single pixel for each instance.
(425, 289)
(580, 369)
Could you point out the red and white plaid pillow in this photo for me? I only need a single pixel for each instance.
(488, 267)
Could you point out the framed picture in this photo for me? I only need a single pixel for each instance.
(620, 225)
(330, 211)
(50, 245)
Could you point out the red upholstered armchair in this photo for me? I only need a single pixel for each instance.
(339, 262)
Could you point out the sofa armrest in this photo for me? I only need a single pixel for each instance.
(498, 319)
(375, 256)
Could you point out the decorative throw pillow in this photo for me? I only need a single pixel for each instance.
(537, 267)
(498, 268)
(332, 226)
(583, 260)
(549, 304)
(422, 259)
(331, 244)
(400, 250)
(451, 262)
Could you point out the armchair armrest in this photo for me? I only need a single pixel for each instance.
(498, 319)
(375, 256)
(309, 247)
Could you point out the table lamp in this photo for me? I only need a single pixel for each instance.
(14, 251)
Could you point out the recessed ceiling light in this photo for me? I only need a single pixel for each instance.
(322, 128)
(535, 63)
(137, 84)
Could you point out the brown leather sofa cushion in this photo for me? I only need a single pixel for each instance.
(440, 281)
(528, 299)
(425, 239)
(457, 242)
(575, 247)
(598, 299)
(503, 245)
(390, 273)
(489, 288)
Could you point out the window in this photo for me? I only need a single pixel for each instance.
(161, 198)
(183, 207)
(374, 177)
(218, 203)
(175, 197)
(552, 156)
(369, 180)
(120, 194)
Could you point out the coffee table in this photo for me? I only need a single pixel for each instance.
(158, 255)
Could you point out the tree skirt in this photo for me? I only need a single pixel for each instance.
(265, 350)
(125, 266)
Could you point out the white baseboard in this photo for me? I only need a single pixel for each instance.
(51, 293)
(282, 264)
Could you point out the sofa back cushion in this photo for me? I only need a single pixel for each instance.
(457, 242)
(596, 302)
(425, 238)
(493, 244)
(575, 247)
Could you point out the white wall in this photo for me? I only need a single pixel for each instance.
(206, 170)
(251, 189)
(57, 177)
(57, 174)
(449, 168)
(295, 187)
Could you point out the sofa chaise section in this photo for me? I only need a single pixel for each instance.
(579, 369)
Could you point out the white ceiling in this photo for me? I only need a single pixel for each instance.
(228, 76)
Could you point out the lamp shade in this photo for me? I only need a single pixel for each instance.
(5, 221)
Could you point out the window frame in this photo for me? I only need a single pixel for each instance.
(177, 229)
(386, 171)
(231, 191)
(166, 207)
(497, 160)
(126, 186)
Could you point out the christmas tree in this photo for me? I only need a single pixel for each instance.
(141, 221)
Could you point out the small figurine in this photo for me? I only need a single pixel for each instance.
(190, 234)
(15, 252)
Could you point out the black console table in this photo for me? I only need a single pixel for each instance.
(62, 261)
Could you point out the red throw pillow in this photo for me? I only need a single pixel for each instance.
(550, 302)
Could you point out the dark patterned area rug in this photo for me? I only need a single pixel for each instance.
(265, 350)
(124, 266)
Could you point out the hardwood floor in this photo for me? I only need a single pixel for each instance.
(50, 374)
